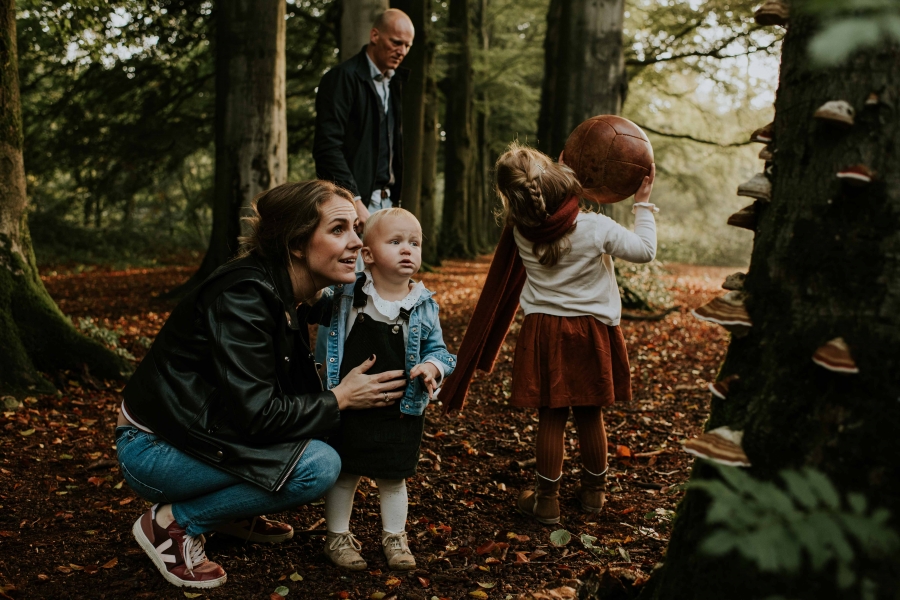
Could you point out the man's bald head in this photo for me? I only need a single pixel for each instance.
(390, 39)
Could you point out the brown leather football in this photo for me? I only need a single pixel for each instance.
(610, 155)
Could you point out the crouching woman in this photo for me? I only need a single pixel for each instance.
(223, 420)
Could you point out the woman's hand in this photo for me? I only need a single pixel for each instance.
(358, 390)
(643, 193)
(429, 374)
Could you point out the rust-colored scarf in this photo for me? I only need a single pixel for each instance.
(499, 302)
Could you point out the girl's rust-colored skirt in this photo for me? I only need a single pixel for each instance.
(569, 361)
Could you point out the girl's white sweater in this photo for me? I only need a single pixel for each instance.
(584, 280)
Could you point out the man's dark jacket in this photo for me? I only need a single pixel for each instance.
(230, 378)
(347, 127)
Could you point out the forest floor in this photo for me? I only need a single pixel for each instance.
(66, 514)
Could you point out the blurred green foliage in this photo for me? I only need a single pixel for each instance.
(805, 524)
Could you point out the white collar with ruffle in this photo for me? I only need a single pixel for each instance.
(391, 308)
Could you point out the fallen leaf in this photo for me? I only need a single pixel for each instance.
(27, 432)
(486, 548)
(295, 576)
(118, 486)
(76, 567)
(112, 562)
(91, 569)
(128, 500)
(376, 595)
(88, 422)
(623, 452)
(66, 457)
(63, 569)
(560, 538)
(628, 510)
(392, 581)
(96, 481)
(486, 584)
(521, 558)
(478, 594)
(274, 596)
(282, 591)
(537, 554)
(492, 561)
(43, 577)
(191, 595)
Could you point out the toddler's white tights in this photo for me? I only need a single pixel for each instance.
(339, 503)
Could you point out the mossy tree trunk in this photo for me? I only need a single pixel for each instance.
(34, 335)
(251, 119)
(825, 264)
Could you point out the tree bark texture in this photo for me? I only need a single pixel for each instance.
(251, 118)
(429, 216)
(458, 149)
(417, 62)
(357, 17)
(825, 263)
(584, 67)
(34, 334)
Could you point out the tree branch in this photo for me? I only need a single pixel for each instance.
(710, 53)
(684, 136)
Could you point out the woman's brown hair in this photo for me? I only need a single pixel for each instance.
(531, 187)
(285, 217)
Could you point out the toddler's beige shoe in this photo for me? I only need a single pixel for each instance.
(343, 550)
(396, 550)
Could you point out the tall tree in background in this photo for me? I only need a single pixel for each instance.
(584, 68)
(35, 335)
(428, 202)
(419, 12)
(357, 17)
(458, 92)
(251, 122)
(825, 264)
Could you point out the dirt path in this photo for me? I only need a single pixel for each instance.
(65, 514)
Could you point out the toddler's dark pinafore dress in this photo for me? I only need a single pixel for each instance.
(377, 442)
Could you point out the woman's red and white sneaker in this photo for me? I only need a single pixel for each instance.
(178, 556)
(259, 530)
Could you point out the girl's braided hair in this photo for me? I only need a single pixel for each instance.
(531, 187)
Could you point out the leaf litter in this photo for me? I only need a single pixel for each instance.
(462, 526)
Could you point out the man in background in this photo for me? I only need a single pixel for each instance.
(358, 141)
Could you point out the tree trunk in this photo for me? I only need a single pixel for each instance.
(416, 61)
(357, 17)
(35, 335)
(429, 217)
(584, 67)
(480, 189)
(458, 93)
(825, 264)
(251, 120)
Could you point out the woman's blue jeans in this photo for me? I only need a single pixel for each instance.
(203, 496)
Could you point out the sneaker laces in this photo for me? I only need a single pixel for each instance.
(396, 541)
(344, 540)
(193, 552)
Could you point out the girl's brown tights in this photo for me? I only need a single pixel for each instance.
(551, 439)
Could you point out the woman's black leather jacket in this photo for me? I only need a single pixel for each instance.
(231, 380)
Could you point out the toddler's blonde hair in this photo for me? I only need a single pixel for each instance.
(376, 217)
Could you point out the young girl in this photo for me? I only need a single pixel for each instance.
(383, 323)
(570, 352)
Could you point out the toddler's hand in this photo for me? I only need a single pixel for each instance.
(429, 374)
(643, 193)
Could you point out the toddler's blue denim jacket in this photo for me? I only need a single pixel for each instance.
(424, 341)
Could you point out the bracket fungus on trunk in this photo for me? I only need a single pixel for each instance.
(721, 445)
(835, 356)
(857, 175)
(734, 282)
(758, 187)
(744, 218)
(838, 112)
(766, 153)
(773, 12)
(764, 135)
(873, 99)
(720, 388)
(727, 311)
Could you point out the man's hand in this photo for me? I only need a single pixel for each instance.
(362, 212)
(429, 374)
